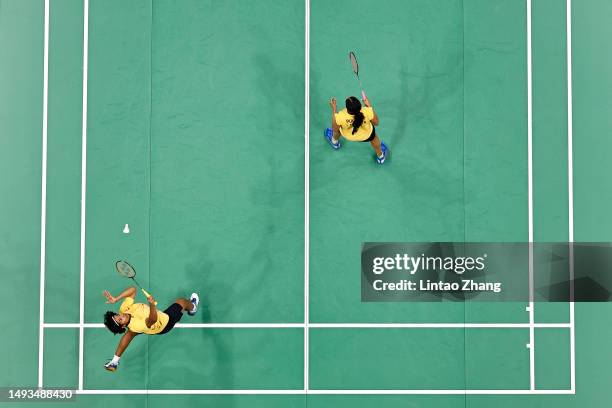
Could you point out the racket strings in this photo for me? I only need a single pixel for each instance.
(125, 269)
(355, 66)
(354, 63)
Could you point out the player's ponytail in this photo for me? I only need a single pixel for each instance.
(353, 107)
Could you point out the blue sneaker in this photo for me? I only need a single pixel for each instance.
(385, 149)
(110, 366)
(194, 299)
(329, 135)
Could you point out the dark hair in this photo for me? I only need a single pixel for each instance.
(353, 106)
(111, 324)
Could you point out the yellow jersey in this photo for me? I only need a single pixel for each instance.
(345, 121)
(140, 313)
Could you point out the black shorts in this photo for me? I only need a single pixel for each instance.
(174, 312)
(372, 136)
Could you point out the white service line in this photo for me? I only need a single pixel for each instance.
(325, 392)
(333, 325)
(530, 200)
(570, 193)
(240, 325)
(437, 325)
(43, 199)
(190, 325)
(83, 189)
(306, 191)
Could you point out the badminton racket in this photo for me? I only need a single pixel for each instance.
(355, 66)
(126, 270)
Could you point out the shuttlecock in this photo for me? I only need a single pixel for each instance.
(126, 229)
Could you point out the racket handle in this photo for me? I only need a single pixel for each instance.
(147, 295)
(363, 95)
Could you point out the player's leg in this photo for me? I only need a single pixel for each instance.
(185, 304)
(380, 148)
(332, 134)
(375, 143)
(335, 130)
(176, 309)
(190, 305)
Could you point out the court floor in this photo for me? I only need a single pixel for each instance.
(199, 124)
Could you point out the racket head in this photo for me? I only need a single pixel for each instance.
(354, 63)
(125, 269)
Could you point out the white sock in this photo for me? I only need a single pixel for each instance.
(335, 141)
(115, 359)
(381, 156)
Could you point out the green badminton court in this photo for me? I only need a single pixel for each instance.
(199, 124)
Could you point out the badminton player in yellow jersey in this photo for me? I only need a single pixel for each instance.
(356, 124)
(139, 318)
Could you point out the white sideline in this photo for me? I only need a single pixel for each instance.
(43, 199)
(83, 189)
(570, 191)
(530, 200)
(306, 191)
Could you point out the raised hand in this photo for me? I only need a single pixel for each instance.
(109, 298)
(332, 103)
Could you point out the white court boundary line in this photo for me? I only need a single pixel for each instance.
(531, 344)
(570, 193)
(83, 189)
(43, 199)
(324, 392)
(81, 325)
(334, 325)
(306, 194)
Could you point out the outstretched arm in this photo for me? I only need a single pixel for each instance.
(113, 364)
(124, 342)
(129, 292)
